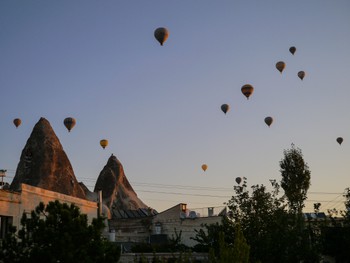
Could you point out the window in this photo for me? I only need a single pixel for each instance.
(158, 228)
(5, 223)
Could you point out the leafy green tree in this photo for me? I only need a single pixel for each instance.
(272, 231)
(209, 235)
(238, 252)
(263, 219)
(295, 178)
(58, 233)
(295, 182)
(272, 222)
(240, 247)
(336, 234)
(346, 213)
(225, 253)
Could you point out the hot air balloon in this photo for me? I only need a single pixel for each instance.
(280, 65)
(225, 108)
(340, 140)
(292, 50)
(104, 143)
(161, 34)
(268, 121)
(204, 167)
(17, 122)
(238, 180)
(69, 123)
(247, 90)
(301, 74)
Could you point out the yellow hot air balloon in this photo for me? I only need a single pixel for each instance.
(268, 121)
(17, 122)
(247, 90)
(204, 167)
(280, 65)
(161, 34)
(69, 123)
(340, 140)
(225, 108)
(104, 143)
(292, 50)
(301, 74)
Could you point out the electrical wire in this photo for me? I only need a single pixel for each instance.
(144, 187)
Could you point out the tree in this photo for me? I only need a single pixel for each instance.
(336, 235)
(209, 235)
(58, 233)
(295, 178)
(295, 183)
(225, 253)
(268, 226)
(263, 219)
(346, 213)
(272, 223)
(240, 247)
(238, 252)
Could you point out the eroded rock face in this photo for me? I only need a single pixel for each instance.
(44, 163)
(117, 193)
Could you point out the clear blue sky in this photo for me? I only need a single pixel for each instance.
(159, 106)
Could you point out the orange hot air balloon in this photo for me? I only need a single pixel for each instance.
(340, 140)
(268, 121)
(225, 108)
(292, 50)
(17, 122)
(280, 65)
(69, 123)
(247, 90)
(204, 167)
(301, 74)
(104, 143)
(161, 34)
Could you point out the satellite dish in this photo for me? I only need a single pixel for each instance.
(182, 215)
(193, 214)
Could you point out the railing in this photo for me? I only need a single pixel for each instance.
(205, 211)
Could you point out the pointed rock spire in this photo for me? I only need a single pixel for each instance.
(117, 193)
(44, 163)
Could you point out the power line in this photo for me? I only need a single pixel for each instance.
(182, 187)
(195, 188)
(176, 193)
(206, 188)
(332, 201)
(185, 187)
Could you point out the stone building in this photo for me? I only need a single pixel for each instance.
(179, 219)
(14, 203)
(138, 226)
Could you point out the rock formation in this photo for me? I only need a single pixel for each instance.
(117, 193)
(44, 164)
